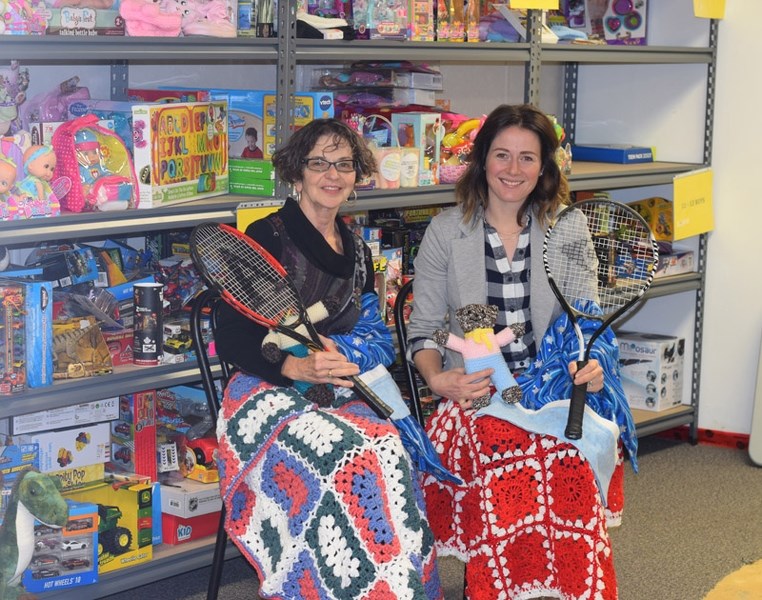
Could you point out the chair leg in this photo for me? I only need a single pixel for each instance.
(218, 561)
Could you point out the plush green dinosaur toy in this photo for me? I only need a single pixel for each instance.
(34, 496)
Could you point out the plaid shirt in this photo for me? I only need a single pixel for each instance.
(508, 289)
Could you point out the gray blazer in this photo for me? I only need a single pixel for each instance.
(450, 273)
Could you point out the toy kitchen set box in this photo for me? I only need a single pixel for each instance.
(181, 151)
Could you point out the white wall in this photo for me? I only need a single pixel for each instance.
(733, 325)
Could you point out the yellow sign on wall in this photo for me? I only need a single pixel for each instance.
(709, 9)
(540, 4)
(692, 204)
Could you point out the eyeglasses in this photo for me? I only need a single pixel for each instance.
(321, 165)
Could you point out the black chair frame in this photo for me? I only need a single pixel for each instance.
(205, 305)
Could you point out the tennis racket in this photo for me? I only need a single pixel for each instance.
(255, 284)
(600, 257)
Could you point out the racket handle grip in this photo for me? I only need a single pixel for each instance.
(576, 409)
(381, 408)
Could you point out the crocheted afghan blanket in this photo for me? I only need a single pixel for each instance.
(323, 502)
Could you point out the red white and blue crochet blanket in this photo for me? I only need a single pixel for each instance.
(323, 502)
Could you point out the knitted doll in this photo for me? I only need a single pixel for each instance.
(276, 343)
(480, 348)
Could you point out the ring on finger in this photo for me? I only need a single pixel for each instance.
(330, 373)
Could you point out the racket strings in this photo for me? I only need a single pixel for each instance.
(246, 275)
(610, 268)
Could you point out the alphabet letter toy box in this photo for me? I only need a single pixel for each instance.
(181, 151)
(652, 369)
(125, 522)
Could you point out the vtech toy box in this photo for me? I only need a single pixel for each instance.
(181, 151)
(651, 369)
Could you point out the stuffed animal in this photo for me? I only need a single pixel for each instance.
(208, 17)
(276, 343)
(34, 496)
(148, 18)
(481, 348)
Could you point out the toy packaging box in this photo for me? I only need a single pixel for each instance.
(675, 263)
(167, 95)
(187, 498)
(125, 530)
(73, 447)
(116, 112)
(651, 369)
(65, 557)
(423, 131)
(179, 530)
(133, 435)
(96, 411)
(38, 333)
(381, 20)
(181, 151)
(13, 338)
(658, 214)
(69, 267)
(256, 18)
(85, 21)
(13, 459)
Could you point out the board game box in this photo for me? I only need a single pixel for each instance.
(181, 151)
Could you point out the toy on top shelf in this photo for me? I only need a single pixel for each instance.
(39, 193)
(13, 85)
(147, 18)
(8, 191)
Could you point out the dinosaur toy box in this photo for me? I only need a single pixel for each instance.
(125, 529)
(65, 557)
(180, 151)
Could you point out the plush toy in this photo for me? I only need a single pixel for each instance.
(276, 343)
(208, 17)
(481, 348)
(148, 18)
(34, 496)
(13, 85)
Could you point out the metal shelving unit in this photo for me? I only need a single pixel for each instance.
(285, 53)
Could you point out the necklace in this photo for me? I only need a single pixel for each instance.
(509, 234)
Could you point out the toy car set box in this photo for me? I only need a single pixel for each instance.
(651, 369)
(68, 556)
(13, 340)
(181, 151)
(125, 534)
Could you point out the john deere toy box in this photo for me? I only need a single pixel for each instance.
(125, 522)
(65, 557)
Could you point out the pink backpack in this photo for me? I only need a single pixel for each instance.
(97, 163)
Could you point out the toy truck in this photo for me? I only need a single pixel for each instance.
(112, 538)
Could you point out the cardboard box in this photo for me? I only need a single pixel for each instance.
(79, 477)
(179, 530)
(66, 557)
(14, 459)
(659, 215)
(85, 21)
(133, 435)
(119, 343)
(187, 498)
(72, 447)
(38, 329)
(96, 411)
(12, 347)
(181, 151)
(675, 263)
(126, 522)
(167, 95)
(613, 153)
(69, 267)
(652, 369)
(423, 131)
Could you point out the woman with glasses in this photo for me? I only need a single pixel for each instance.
(323, 499)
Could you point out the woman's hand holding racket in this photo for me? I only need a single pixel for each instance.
(600, 257)
(255, 284)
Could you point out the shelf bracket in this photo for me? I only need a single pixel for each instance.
(285, 85)
(532, 68)
(120, 77)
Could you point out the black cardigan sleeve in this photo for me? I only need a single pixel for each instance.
(239, 339)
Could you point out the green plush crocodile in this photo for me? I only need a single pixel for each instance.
(34, 496)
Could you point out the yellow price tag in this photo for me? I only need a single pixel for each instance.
(692, 204)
